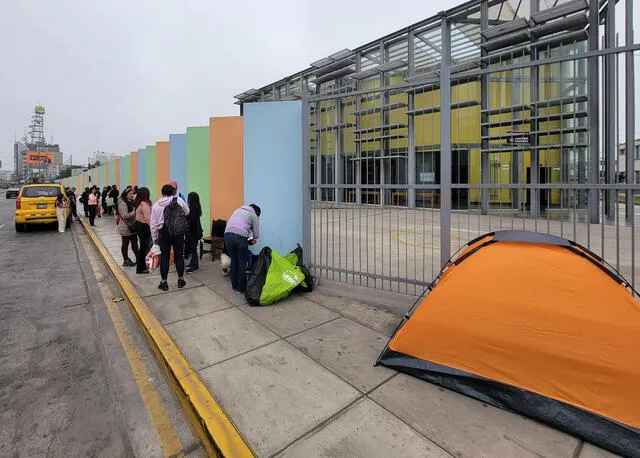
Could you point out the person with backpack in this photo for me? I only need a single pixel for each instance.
(84, 200)
(114, 194)
(169, 224)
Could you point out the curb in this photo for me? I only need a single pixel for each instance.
(211, 424)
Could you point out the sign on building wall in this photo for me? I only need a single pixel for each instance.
(37, 158)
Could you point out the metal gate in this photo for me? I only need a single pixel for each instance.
(421, 141)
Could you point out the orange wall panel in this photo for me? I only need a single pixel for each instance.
(226, 175)
(162, 165)
(134, 168)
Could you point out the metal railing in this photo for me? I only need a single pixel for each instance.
(404, 165)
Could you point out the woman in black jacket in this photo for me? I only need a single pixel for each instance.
(194, 234)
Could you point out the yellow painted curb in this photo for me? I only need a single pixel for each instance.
(216, 430)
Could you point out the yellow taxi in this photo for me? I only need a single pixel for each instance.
(36, 204)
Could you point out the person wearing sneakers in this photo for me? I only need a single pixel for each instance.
(125, 226)
(142, 205)
(243, 229)
(169, 214)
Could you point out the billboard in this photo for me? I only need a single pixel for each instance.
(37, 158)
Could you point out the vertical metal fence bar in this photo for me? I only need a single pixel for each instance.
(630, 110)
(306, 178)
(594, 113)
(445, 143)
(610, 109)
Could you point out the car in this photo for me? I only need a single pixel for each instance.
(36, 205)
(12, 193)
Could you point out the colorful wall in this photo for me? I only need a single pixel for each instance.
(198, 166)
(152, 172)
(226, 188)
(272, 141)
(178, 160)
(162, 164)
(228, 162)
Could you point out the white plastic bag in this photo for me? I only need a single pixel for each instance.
(152, 259)
(225, 261)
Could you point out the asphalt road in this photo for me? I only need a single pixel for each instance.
(76, 375)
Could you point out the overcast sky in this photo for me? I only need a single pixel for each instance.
(117, 75)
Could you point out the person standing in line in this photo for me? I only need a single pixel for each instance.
(243, 229)
(99, 207)
(194, 234)
(74, 205)
(142, 205)
(175, 186)
(62, 202)
(114, 194)
(92, 204)
(164, 239)
(105, 193)
(126, 227)
(84, 200)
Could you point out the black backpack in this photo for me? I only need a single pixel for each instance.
(175, 221)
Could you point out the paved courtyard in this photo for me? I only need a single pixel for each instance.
(403, 243)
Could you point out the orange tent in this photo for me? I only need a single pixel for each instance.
(534, 324)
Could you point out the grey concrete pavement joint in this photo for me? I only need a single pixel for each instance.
(167, 323)
(268, 343)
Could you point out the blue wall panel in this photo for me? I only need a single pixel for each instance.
(273, 171)
(178, 161)
(142, 168)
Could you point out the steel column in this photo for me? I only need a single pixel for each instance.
(630, 109)
(306, 178)
(485, 172)
(594, 112)
(358, 162)
(534, 194)
(610, 81)
(445, 143)
(411, 146)
(337, 153)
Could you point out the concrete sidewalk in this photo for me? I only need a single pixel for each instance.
(297, 378)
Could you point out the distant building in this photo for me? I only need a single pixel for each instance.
(24, 165)
(103, 158)
(6, 175)
(622, 158)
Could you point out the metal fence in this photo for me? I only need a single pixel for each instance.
(421, 141)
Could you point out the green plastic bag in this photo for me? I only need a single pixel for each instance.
(272, 278)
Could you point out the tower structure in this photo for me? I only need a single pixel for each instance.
(36, 128)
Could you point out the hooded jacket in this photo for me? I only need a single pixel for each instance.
(245, 222)
(157, 214)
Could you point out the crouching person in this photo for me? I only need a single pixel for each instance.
(243, 229)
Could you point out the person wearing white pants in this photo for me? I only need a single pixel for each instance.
(61, 211)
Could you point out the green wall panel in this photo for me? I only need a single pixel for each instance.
(198, 170)
(152, 165)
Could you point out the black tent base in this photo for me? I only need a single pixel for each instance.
(596, 429)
